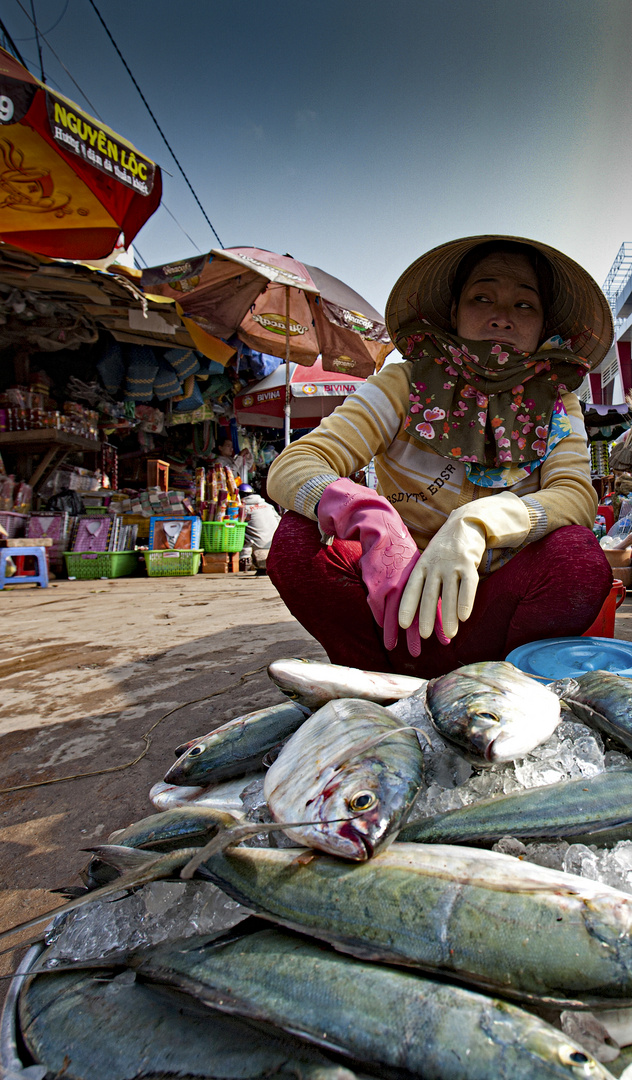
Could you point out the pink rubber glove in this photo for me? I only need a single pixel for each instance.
(349, 511)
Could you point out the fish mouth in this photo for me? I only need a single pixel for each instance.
(361, 843)
(175, 776)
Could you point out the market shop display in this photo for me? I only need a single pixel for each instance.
(471, 899)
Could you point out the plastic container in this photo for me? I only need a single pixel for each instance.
(11, 1061)
(13, 522)
(195, 521)
(223, 535)
(603, 625)
(88, 565)
(561, 658)
(176, 563)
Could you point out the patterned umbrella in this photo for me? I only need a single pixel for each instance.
(69, 186)
(278, 305)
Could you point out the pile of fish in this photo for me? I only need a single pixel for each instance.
(369, 879)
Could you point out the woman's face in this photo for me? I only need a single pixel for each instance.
(501, 302)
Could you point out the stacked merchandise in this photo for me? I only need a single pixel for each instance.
(599, 458)
(58, 528)
(174, 546)
(101, 547)
(15, 504)
(24, 409)
(153, 502)
(223, 526)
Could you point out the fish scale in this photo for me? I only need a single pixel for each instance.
(513, 928)
(595, 809)
(353, 770)
(382, 1016)
(601, 699)
(492, 712)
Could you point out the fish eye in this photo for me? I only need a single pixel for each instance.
(569, 1055)
(361, 801)
(195, 751)
(487, 716)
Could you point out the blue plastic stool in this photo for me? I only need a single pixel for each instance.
(40, 578)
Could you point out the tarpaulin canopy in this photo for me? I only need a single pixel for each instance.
(69, 185)
(315, 394)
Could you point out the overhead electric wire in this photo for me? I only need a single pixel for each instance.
(94, 110)
(60, 62)
(11, 43)
(37, 42)
(165, 207)
(146, 104)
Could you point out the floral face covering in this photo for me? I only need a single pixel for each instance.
(494, 408)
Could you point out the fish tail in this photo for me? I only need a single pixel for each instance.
(156, 865)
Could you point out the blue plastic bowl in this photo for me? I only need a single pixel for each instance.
(560, 658)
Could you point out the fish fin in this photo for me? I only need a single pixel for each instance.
(123, 858)
(71, 891)
(161, 865)
(305, 857)
(270, 757)
(234, 835)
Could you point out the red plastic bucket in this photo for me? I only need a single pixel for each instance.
(603, 625)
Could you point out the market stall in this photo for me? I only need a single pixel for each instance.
(109, 406)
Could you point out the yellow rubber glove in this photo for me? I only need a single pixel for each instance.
(448, 568)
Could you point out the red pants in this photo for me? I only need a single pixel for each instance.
(554, 587)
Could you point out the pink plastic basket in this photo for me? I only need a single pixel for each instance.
(14, 523)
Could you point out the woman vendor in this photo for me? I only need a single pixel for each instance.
(479, 538)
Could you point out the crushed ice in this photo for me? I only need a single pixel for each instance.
(160, 912)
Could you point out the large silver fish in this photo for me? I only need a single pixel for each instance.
(592, 810)
(235, 747)
(313, 684)
(601, 699)
(104, 1024)
(353, 770)
(378, 1015)
(482, 918)
(490, 920)
(492, 712)
(224, 796)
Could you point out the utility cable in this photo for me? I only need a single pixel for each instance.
(146, 104)
(61, 64)
(11, 43)
(50, 28)
(146, 739)
(95, 113)
(38, 43)
(184, 230)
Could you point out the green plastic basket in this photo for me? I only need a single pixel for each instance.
(87, 565)
(223, 535)
(179, 562)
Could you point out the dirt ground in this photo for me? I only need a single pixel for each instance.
(88, 667)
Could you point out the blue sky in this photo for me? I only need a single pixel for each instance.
(357, 134)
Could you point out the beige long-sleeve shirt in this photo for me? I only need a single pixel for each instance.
(423, 486)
